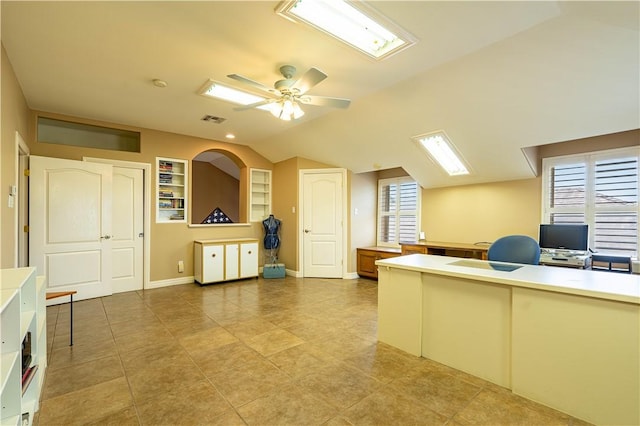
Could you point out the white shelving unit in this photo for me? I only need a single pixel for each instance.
(259, 194)
(171, 190)
(22, 313)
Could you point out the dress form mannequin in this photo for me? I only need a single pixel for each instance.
(271, 237)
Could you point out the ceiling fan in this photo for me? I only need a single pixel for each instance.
(287, 94)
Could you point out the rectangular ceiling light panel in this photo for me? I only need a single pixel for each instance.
(216, 90)
(441, 150)
(354, 23)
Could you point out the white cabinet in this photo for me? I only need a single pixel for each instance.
(171, 190)
(249, 259)
(259, 194)
(23, 340)
(225, 259)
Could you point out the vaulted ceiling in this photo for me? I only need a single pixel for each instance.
(497, 77)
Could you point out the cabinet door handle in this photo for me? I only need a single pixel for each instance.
(249, 251)
(213, 255)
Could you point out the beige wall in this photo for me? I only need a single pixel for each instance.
(211, 188)
(364, 200)
(14, 117)
(592, 144)
(170, 242)
(482, 212)
(285, 200)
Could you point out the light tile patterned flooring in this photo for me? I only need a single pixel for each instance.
(256, 352)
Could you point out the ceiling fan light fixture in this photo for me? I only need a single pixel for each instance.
(286, 110)
(353, 23)
(297, 111)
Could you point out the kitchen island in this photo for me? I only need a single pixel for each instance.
(567, 338)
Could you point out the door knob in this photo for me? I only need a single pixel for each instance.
(306, 231)
(105, 237)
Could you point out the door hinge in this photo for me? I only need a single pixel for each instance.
(27, 172)
(26, 228)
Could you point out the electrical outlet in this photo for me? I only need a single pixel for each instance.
(180, 266)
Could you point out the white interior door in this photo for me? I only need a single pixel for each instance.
(322, 214)
(127, 230)
(22, 181)
(70, 225)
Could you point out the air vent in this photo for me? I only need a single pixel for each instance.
(213, 119)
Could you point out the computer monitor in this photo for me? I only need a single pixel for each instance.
(564, 237)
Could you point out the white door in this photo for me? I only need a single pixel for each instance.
(127, 230)
(22, 237)
(322, 214)
(70, 225)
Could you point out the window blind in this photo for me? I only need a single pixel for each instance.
(600, 190)
(398, 201)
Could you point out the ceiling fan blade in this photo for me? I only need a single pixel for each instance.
(324, 101)
(255, 105)
(310, 78)
(255, 84)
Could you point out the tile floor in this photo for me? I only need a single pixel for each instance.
(255, 352)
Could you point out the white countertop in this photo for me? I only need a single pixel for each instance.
(599, 284)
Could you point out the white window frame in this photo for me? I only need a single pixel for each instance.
(589, 209)
(398, 213)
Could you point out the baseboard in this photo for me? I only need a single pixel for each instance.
(297, 274)
(170, 282)
(292, 273)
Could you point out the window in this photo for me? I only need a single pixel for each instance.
(599, 189)
(398, 207)
(358, 25)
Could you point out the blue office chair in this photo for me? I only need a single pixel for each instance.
(515, 249)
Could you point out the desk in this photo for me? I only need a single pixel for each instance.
(567, 338)
(468, 250)
(367, 256)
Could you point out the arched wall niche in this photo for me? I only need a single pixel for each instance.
(219, 179)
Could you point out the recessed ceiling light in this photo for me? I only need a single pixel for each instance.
(216, 90)
(354, 23)
(441, 150)
(230, 136)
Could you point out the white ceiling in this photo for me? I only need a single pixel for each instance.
(495, 76)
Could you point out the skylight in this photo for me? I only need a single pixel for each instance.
(216, 90)
(359, 26)
(442, 151)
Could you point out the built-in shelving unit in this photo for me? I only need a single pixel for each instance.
(23, 348)
(171, 191)
(259, 195)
